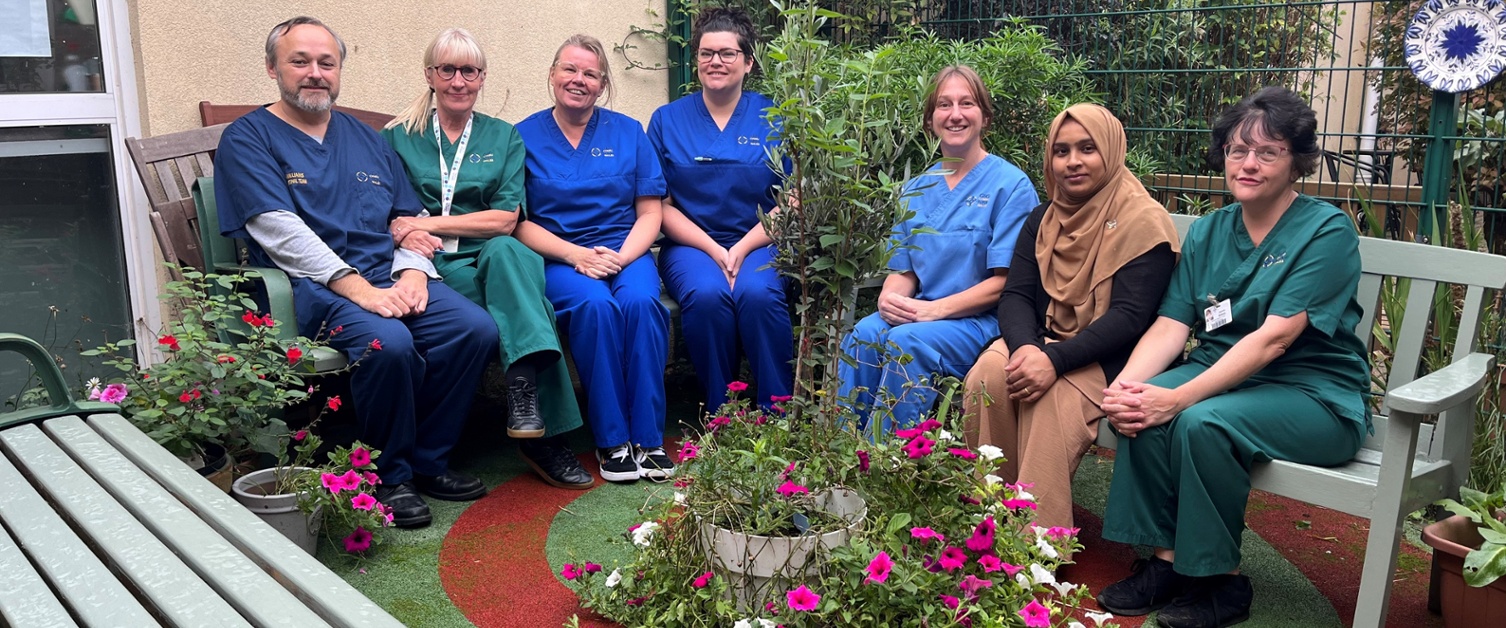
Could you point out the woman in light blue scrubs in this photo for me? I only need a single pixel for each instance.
(595, 190)
(936, 305)
(713, 145)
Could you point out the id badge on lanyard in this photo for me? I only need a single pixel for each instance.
(448, 176)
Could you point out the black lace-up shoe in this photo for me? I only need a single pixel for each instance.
(523, 409)
(1153, 585)
(555, 464)
(409, 510)
(618, 464)
(654, 463)
(453, 486)
(1212, 602)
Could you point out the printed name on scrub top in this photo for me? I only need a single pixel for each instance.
(478, 158)
(602, 152)
(296, 178)
(981, 200)
(374, 179)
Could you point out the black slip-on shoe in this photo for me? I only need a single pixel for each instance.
(1212, 602)
(1153, 585)
(452, 486)
(523, 419)
(409, 510)
(555, 464)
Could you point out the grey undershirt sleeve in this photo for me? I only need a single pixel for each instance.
(295, 248)
(403, 259)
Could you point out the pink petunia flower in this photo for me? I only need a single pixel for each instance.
(802, 599)
(362, 501)
(114, 393)
(919, 447)
(360, 457)
(350, 480)
(718, 423)
(965, 454)
(702, 580)
(689, 450)
(791, 489)
(785, 475)
(358, 541)
(1036, 615)
(983, 536)
(863, 461)
(1015, 504)
(1058, 532)
(971, 584)
(952, 559)
(949, 601)
(990, 563)
(569, 572)
(878, 568)
(332, 482)
(1011, 570)
(371, 478)
(926, 534)
(736, 387)
(590, 568)
(909, 433)
(780, 398)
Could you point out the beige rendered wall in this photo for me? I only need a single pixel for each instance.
(193, 51)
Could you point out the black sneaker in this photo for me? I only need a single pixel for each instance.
(654, 463)
(523, 409)
(1153, 585)
(555, 464)
(1211, 602)
(618, 464)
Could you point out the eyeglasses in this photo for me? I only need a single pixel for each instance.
(727, 56)
(447, 72)
(1263, 154)
(570, 71)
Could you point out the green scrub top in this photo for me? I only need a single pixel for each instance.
(1308, 262)
(491, 174)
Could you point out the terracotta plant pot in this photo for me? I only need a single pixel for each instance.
(280, 510)
(1462, 605)
(751, 562)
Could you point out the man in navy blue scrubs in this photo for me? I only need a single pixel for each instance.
(314, 191)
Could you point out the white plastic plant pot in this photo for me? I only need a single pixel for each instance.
(751, 563)
(254, 491)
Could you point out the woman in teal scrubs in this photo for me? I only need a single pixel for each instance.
(1267, 287)
(467, 167)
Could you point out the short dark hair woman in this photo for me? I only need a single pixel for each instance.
(1267, 286)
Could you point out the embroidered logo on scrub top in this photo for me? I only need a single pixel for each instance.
(602, 152)
(747, 140)
(1273, 259)
(296, 178)
(373, 179)
(478, 158)
(980, 200)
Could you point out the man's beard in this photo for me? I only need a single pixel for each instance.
(311, 102)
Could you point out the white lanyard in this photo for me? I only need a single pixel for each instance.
(448, 176)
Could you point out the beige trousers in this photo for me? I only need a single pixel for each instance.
(1043, 441)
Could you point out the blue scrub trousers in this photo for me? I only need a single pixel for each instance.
(1184, 484)
(946, 347)
(411, 398)
(619, 337)
(716, 317)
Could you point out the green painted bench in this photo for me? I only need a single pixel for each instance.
(103, 527)
(1408, 463)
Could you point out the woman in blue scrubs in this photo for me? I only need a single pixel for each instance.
(595, 190)
(936, 305)
(712, 145)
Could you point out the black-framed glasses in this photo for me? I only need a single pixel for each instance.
(727, 56)
(1263, 154)
(447, 72)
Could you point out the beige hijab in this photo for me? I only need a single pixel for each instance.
(1082, 242)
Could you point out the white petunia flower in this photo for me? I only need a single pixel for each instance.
(765, 623)
(1023, 579)
(1041, 575)
(990, 452)
(743, 623)
(1023, 494)
(1039, 531)
(1047, 549)
(992, 479)
(1063, 588)
(615, 578)
(1075, 624)
(679, 498)
(944, 436)
(645, 533)
(1099, 618)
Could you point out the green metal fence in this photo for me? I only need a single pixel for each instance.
(1167, 67)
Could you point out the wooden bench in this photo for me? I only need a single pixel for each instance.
(1408, 463)
(103, 527)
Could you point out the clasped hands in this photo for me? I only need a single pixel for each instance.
(728, 261)
(597, 262)
(1135, 406)
(407, 234)
(897, 309)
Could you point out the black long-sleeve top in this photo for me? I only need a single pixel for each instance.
(1138, 288)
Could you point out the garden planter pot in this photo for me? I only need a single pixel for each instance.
(1462, 605)
(255, 492)
(750, 562)
(217, 467)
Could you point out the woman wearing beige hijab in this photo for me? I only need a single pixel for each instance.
(1088, 273)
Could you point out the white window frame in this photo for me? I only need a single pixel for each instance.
(119, 109)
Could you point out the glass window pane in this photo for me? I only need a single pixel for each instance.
(64, 280)
(49, 46)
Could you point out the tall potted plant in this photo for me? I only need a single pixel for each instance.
(1469, 551)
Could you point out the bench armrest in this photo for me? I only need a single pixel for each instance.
(279, 294)
(1444, 388)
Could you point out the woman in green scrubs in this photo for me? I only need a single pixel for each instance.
(468, 170)
(1267, 287)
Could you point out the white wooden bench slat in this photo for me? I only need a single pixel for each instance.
(1368, 296)
(331, 597)
(1408, 336)
(24, 597)
(229, 579)
(1406, 259)
(162, 581)
(85, 584)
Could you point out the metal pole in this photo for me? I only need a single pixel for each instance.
(1438, 168)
